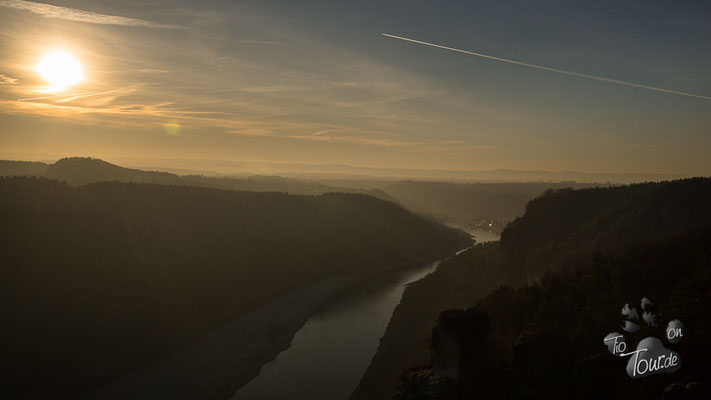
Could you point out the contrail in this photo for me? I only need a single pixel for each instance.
(597, 78)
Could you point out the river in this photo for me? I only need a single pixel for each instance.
(329, 355)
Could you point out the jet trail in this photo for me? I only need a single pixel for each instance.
(598, 78)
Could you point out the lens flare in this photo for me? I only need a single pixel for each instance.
(172, 128)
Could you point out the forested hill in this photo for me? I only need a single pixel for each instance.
(567, 267)
(562, 225)
(99, 278)
(17, 168)
(80, 171)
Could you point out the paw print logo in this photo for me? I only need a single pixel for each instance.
(650, 356)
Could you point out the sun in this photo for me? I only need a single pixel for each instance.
(60, 69)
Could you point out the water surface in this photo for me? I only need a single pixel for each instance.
(329, 355)
(331, 352)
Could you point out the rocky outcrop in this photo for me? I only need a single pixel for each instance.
(459, 361)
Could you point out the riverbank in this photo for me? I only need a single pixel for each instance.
(329, 355)
(214, 366)
(406, 342)
(217, 364)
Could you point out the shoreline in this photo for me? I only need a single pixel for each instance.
(217, 364)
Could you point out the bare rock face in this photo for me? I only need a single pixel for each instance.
(447, 344)
(459, 365)
(458, 342)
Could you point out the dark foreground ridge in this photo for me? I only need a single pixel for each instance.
(567, 266)
(100, 279)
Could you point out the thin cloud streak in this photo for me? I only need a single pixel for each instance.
(560, 71)
(261, 42)
(6, 80)
(63, 98)
(134, 116)
(153, 71)
(75, 15)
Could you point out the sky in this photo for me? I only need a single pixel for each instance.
(316, 82)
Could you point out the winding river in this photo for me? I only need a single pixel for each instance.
(330, 353)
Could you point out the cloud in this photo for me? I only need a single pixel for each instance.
(6, 80)
(261, 42)
(312, 85)
(153, 71)
(72, 14)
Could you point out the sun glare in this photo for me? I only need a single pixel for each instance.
(60, 69)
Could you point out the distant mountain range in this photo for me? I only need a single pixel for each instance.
(82, 170)
(451, 202)
(457, 203)
(341, 171)
(323, 172)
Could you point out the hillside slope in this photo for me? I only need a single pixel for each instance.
(471, 202)
(106, 276)
(592, 250)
